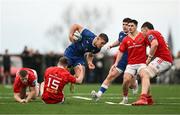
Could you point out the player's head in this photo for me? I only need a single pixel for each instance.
(100, 40)
(132, 26)
(146, 27)
(125, 24)
(63, 61)
(23, 74)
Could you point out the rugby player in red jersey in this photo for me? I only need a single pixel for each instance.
(135, 44)
(25, 77)
(161, 62)
(55, 78)
(115, 72)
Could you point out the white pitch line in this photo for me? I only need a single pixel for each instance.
(168, 103)
(89, 99)
(112, 103)
(84, 98)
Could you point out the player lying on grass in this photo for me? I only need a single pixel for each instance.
(55, 78)
(25, 78)
(115, 72)
(162, 61)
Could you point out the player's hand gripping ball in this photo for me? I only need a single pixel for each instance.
(77, 36)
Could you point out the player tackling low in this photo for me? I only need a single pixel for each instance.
(55, 78)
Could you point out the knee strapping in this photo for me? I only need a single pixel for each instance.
(151, 71)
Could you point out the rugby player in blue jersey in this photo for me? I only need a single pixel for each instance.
(115, 72)
(83, 42)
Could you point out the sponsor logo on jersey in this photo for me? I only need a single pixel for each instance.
(150, 37)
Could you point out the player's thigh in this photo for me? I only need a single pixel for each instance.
(141, 66)
(160, 65)
(133, 69)
(130, 70)
(157, 66)
(114, 73)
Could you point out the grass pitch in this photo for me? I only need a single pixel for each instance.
(167, 101)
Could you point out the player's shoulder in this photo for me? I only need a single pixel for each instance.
(140, 34)
(52, 68)
(87, 32)
(126, 38)
(122, 33)
(56, 68)
(152, 32)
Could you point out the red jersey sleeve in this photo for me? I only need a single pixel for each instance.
(33, 81)
(150, 36)
(16, 86)
(70, 78)
(123, 47)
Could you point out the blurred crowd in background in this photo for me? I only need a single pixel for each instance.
(9, 65)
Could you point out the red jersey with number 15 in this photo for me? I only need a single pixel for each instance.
(55, 79)
(162, 51)
(136, 49)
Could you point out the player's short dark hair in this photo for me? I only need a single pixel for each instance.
(148, 25)
(104, 37)
(23, 73)
(127, 20)
(63, 61)
(134, 21)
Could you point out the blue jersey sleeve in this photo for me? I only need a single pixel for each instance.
(121, 36)
(87, 34)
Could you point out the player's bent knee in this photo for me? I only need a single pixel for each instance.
(127, 79)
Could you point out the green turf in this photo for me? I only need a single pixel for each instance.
(167, 98)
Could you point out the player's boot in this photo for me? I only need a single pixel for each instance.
(143, 100)
(95, 95)
(124, 101)
(150, 100)
(135, 90)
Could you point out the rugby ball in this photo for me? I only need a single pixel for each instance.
(77, 36)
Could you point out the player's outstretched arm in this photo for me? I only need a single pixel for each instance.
(18, 99)
(31, 94)
(80, 77)
(114, 44)
(118, 58)
(154, 45)
(73, 29)
(90, 58)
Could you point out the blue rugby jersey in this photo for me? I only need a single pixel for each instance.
(75, 51)
(79, 48)
(123, 62)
